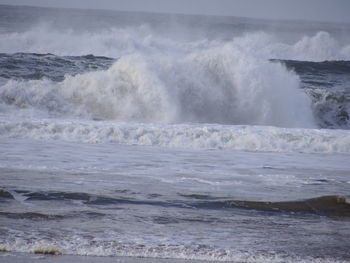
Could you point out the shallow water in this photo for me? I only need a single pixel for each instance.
(111, 199)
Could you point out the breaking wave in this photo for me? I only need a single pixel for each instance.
(146, 77)
(214, 85)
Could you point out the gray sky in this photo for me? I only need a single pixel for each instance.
(319, 10)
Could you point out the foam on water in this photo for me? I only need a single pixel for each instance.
(187, 136)
(136, 249)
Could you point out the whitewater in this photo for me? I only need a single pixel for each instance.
(173, 136)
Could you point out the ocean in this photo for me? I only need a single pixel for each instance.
(173, 137)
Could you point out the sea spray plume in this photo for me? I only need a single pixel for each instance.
(214, 85)
(254, 90)
(112, 42)
(319, 47)
(128, 91)
(116, 41)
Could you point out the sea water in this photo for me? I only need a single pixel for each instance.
(170, 136)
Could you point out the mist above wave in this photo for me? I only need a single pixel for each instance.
(118, 41)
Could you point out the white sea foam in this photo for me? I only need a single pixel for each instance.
(246, 138)
(163, 251)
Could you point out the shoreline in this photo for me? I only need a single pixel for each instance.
(17, 257)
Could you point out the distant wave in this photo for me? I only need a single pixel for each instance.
(326, 67)
(117, 42)
(20, 65)
(33, 66)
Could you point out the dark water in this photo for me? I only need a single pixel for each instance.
(24, 66)
(327, 83)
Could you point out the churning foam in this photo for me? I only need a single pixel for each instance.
(168, 251)
(186, 136)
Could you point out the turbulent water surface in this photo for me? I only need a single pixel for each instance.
(169, 136)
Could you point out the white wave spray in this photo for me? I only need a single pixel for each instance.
(119, 41)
